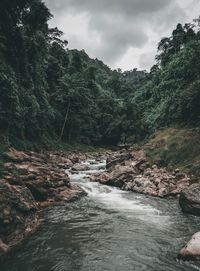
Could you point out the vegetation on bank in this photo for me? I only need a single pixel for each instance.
(176, 148)
(53, 97)
(3, 147)
(50, 144)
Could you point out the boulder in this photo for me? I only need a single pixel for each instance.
(31, 180)
(80, 167)
(192, 250)
(121, 175)
(130, 170)
(18, 215)
(117, 159)
(43, 180)
(102, 178)
(190, 199)
(74, 158)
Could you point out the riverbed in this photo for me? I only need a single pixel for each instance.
(109, 230)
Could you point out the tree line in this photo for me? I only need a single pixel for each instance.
(49, 91)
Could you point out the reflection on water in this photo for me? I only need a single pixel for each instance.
(109, 230)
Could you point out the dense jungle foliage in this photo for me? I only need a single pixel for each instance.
(49, 91)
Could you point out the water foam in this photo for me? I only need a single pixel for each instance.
(115, 199)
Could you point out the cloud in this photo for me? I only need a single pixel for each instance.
(109, 29)
(116, 37)
(145, 59)
(125, 7)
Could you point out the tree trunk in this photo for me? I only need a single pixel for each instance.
(65, 121)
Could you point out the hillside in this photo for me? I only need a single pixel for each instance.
(49, 93)
(176, 148)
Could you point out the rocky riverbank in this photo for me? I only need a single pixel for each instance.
(130, 170)
(30, 182)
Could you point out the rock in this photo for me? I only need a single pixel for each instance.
(100, 177)
(42, 174)
(16, 156)
(80, 167)
(82, 157)
(118, 158)
(121, 175)
(72, 194)
(141, 184)
(192, 250)
(177, 170)
(180, 175)
(64, 165)
(74, 158)
(137, 165)
(190, 199)
(30, 181)
(129, 170)
(17, 209)
(127, 187)
(3, 247)
(117, 177)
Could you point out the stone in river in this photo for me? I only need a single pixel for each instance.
(192, 250)
(190, 199)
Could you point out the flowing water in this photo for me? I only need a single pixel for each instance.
(109, 230)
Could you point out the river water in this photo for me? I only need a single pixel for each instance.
(109, 230)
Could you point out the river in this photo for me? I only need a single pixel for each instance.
(109, 230)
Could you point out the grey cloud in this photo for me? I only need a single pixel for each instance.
(119, 24)
(167, 18)
(117, 37)
(146, 59)
(127, 7)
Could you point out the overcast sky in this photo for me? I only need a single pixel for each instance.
(122, 33)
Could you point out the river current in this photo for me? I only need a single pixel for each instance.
(109, 230)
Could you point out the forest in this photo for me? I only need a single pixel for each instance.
(48, 92)
(100, 166)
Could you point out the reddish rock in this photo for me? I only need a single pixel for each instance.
(116, 159)
(18, 215)
(80, 167)
(192, 250)
(130, 170)
(101, 178)
(30, 181)
(16, 156)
